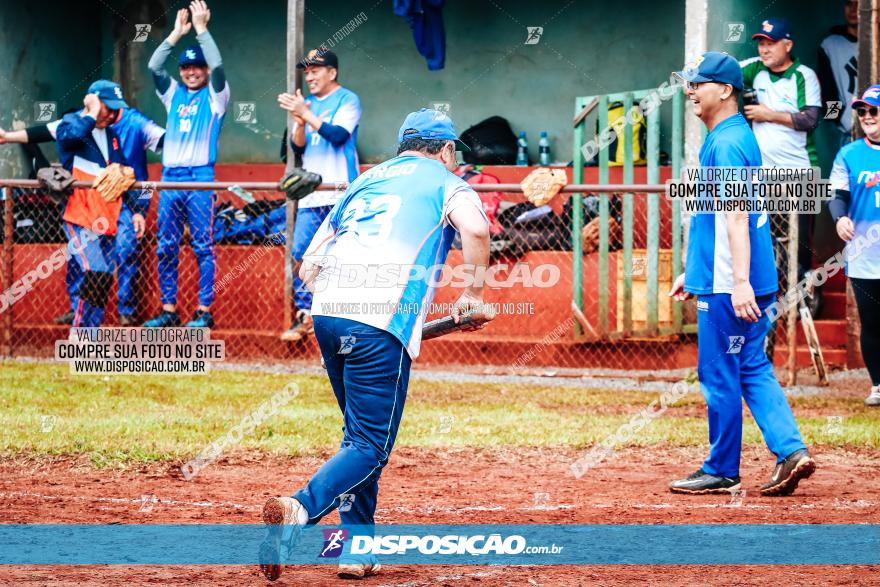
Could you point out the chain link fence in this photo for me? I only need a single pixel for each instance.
(564, 298)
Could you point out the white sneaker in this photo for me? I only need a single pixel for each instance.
(357, 570)
(874, 398)
(279, 512)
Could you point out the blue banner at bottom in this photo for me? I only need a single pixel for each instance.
(607, 544)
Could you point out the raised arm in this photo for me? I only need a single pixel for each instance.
(201, 14)
(160, 55)
(76, 126)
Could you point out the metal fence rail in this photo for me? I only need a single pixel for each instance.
(612, 327)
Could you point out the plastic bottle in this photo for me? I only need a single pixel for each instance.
(544, 149)
(522, 150)
(535, 214)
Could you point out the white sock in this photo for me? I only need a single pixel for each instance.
(302, 516)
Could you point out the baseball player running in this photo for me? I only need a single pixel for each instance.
(91, 150)
(136, 133)
(400, 214)
(730, 267)
(196, 109)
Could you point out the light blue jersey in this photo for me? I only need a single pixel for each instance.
(334, 164)
(857, 170)
(383, 246)
(194, 121)
(709, 267)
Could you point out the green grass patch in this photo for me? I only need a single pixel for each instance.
(114, 420)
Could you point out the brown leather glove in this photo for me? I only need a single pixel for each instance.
(113, 181)
(542, 185)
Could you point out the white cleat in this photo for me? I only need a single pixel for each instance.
(279, 512)
(874, 398)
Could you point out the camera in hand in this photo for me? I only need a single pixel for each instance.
(750, 97)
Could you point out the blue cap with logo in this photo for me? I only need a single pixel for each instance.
(110, 94)
(430, 124)
(871, 97)
(712, 66)
(774, 29)
(192, 55)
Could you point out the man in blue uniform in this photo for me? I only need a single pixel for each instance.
(325, 134)
(401, 214)
(136, 133)
(196, 108)
(731, 269)
(86, 146)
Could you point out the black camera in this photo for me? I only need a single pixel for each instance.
(750, 97)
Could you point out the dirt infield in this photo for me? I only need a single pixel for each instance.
(514, 486)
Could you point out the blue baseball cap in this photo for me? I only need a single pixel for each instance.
(429, 124)
(871, 97)
(774, 29)
(192, 55)
(712, 66)
(110, 94)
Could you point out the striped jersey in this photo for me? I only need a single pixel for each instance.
(709, 265)
(382, 247)
(335, 164)
(789, 91)
(857, 170)
(193, 127)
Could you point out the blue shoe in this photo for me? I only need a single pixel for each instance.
(201, 319)
(165, 319)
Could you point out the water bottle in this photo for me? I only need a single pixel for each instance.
(522, 150)
(535, 214)
(544, 149)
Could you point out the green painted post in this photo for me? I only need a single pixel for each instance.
(577, 216)
(653, 239)
(677, 149)
(627, 217)
(603, 223)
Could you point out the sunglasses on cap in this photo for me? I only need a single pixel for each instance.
(863, 111)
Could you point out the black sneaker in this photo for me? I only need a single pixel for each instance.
(165, 319)
(703, 482)
(66, 318)
(787, 474)
(201, 319)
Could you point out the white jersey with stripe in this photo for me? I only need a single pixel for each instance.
(842, 56)
(193, 127)
(788, 91)
(383, 246)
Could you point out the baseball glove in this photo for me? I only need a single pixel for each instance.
(56, 180)
(113, 181)
(299, 183)
(590, 234)
(542, 185)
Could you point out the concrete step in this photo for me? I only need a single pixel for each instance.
(833, 305)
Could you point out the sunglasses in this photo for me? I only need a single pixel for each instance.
(864, 111)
